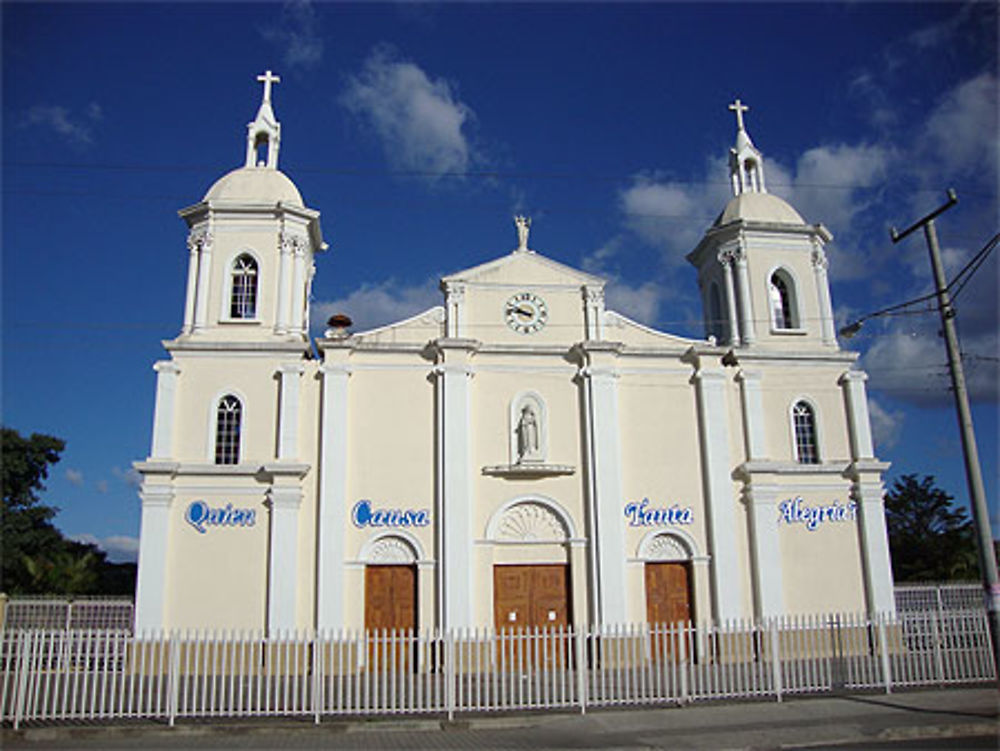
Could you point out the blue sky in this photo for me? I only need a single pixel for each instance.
(420, 129)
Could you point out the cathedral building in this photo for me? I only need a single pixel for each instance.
(519, 455)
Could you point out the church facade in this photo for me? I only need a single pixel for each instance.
(518, 456)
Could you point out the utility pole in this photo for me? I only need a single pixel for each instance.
(973, 474)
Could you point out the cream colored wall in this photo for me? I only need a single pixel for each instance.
(659, 429)
(491, 395)
(391, 459)
(766, 255)
(822, 568)
(782, 386)
(485, 317)
(202, 381)
(217, 579)
(260, 239)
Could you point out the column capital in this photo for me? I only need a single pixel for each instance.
(167, 367)
(336, 368)
(749, 376)
(289, 498)
(851, 376)
(156, 496)
(291, 368)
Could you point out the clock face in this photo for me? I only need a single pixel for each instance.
(525, 312)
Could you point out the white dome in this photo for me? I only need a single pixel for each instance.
(255, 185)
(759, 207)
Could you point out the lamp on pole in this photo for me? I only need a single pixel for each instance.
(973, 473)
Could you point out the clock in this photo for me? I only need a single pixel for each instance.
(525, 312)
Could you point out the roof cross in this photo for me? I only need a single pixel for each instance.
(739, 108)
(267, 79)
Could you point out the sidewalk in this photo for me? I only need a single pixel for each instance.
(942, 717)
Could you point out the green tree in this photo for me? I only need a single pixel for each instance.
(35, 558)
(26, 529)
(930, 538)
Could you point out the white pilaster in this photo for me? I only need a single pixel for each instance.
(192, 283)
(163, 413)
(867, 492)
(765, 550)
(151, 579)
(713, 437)
(332, 495)
(204, 242)
(820, 263)
(283, 299)
(726, 259)
(455, 302)
(282, 568)
(749, 334)
(593, 300)
(858, 421)
(753, 415)
(606, 523)
(299, 286)
(290, 375)
(454, 504)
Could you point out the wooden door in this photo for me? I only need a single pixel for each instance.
(390, 605)
(526, 597)
(668, 601)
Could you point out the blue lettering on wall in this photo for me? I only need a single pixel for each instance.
(199, 515)
(794, 511)
(640, 515)
(363, 515)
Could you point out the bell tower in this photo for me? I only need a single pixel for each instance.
(251, 244)
(762, 268)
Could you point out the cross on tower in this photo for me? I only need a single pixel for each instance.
(739, 108)
(267, 79)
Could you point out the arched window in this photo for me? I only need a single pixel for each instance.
(804, 422)
(243, 298)
(228, 418)
(780, 293)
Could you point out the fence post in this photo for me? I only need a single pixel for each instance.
(317, 682)
(936, 637)
(884, 647)
(581, 667)
(173, 677)
(449, 672)
(22, 677)
(772, 632)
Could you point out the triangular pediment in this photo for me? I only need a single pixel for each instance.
(524, 267)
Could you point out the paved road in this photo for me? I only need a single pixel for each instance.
(936, 719)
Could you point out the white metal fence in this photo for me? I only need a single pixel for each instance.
(72, 613)
(942, 596)
(73, 675)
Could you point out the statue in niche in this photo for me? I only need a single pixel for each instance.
(527, 434)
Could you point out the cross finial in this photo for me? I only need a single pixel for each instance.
(739, 108)
(523, 224)
(268, 78)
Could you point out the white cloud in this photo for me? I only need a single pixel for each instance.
(420, 122)
(128, 476)
(296, 34)
(887, 424)
(374, 305)
(74, 477)
(961, 132)
(73, 129)
(640, 303)
(120, 548)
